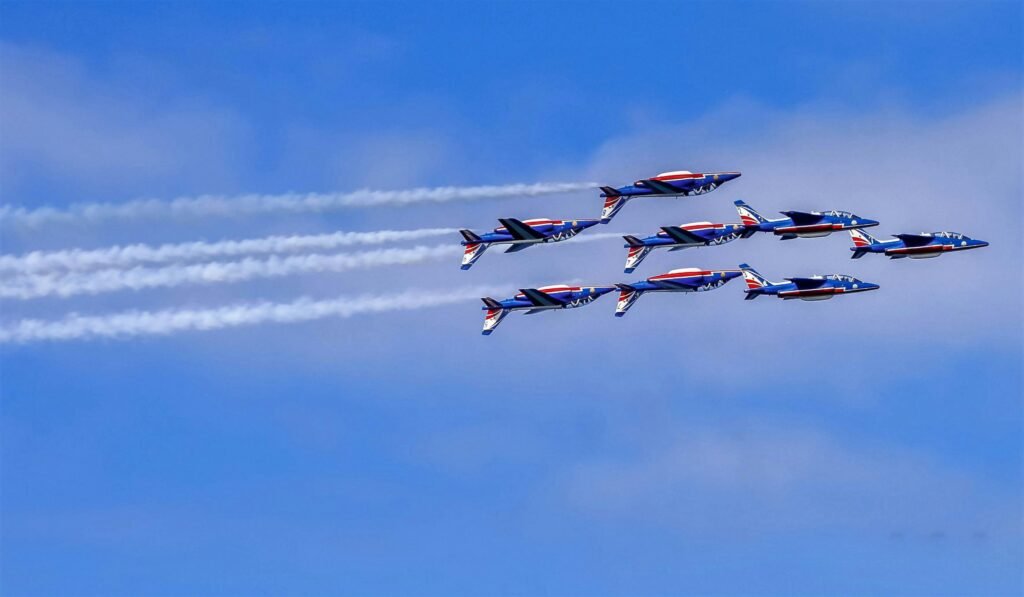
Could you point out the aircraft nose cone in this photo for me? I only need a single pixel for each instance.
(981, 243)
(727, 176)
(866, 223)
(730, 274)
(589, 223)
(869, 286)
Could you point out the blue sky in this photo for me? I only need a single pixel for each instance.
(700, 445)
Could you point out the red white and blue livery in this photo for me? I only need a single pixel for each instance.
(801, 224)
(520, 234)
(915, 246)
(676, 238)
(679, 183)
(814, 288)
(691, 279)
(539, 300)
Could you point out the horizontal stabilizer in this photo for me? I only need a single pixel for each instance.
(610, 192)
(470, 236)
(857, 254)
(633, 241)
(491, 303)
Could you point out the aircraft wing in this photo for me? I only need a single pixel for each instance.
(677, 282)
(519, 230)
(807, 283)
(682, 236)
(540, 299)
(660, 186)
(915, 240)
(518, 247)
(802, 218)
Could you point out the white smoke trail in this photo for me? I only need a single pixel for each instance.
(148, 323)
(220, 205)
(139, 278)
(65, 285)
(130, 255)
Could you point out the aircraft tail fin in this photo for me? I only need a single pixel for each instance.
(861, 238)
(748, 215)
(636, 254)
(612, 205)
(473, 252)
(493, 316)
(862, 242)
(755, 281)
(627, 296)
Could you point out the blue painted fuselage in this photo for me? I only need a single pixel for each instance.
(915, 246)
(799, 224)
(675, 238)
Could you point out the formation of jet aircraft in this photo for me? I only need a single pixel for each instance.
(915, 246)
(521, 234)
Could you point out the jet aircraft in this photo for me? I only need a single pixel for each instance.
(915, 246)
(801, 224)
(691, 279)
(680, 183)
(520, 235)
(675, 238)
(815, 288)
(538, 300)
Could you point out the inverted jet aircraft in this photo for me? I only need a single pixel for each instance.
(815, 288)
(801, 224)
(520, 235)
(680, 183)
(676, 238)
(539, 300)
(915, 246)
(691, 279)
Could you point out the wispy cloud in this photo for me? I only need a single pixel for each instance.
(123, 256)
(67, 284)
(139, 278)
(149, 323)
(231, 206)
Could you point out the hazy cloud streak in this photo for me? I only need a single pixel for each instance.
(221, 205)
(149, 323)
(140, 278)
(123, 256)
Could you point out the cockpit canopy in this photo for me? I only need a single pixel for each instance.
(841, 278)
(839, 214)
(947, 234)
